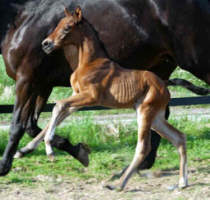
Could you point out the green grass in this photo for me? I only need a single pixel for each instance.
(110, 153)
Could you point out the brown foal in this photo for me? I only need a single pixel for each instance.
(97, 80)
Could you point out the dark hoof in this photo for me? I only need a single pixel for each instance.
(82, 157)
(4, 170)
(112, 187)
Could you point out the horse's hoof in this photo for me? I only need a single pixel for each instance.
(4, 170)
(82, 157)
(18, 154)
(112, 187)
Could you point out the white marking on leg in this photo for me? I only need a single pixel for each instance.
(59, 114)
(177, 139)
(51, 129)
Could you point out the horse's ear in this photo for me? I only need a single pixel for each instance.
(67, 13)
(78, 14)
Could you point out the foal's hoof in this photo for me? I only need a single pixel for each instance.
(183, 185)
(112, 187)
(82, 157)
(18, 154)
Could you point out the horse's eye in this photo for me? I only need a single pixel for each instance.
(67, 29)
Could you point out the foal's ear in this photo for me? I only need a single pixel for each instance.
(78, 14)
(67, 13)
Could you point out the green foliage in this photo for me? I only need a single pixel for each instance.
(4, 79)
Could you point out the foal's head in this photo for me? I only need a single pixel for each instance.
(64, 32)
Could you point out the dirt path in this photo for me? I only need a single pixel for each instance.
(148, 186)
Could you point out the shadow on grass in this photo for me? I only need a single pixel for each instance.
(18, 180)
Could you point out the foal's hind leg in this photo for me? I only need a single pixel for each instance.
(144, 119)
(150, 158)
(177, 139)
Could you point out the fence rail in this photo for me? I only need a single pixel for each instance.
(186, 101)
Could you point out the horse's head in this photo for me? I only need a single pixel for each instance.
(62, 34)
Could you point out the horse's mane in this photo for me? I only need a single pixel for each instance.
(39, 6)
(13, 11)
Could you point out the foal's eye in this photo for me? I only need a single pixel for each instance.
(67, 29)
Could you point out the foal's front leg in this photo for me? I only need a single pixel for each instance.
(62, 109)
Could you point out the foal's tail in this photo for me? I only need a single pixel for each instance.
(188, 85)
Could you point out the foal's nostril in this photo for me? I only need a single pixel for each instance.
(45, 43)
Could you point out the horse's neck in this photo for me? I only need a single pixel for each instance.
(89, 47)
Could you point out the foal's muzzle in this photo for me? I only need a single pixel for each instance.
(48, 46)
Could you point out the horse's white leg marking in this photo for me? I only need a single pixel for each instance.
(58, 115)
(177, 139)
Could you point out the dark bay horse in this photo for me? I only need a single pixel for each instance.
(155, 34)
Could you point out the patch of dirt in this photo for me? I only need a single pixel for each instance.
(146, 186)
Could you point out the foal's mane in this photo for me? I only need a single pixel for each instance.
(95, 34)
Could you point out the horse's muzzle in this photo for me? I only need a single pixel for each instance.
(48, 46)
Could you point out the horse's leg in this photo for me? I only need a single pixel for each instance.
(145, 116)
(177, 139)
(62, 109)
(155, 142)
(18, 125)
(79, 151)
(163, 69)
(150, 158)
